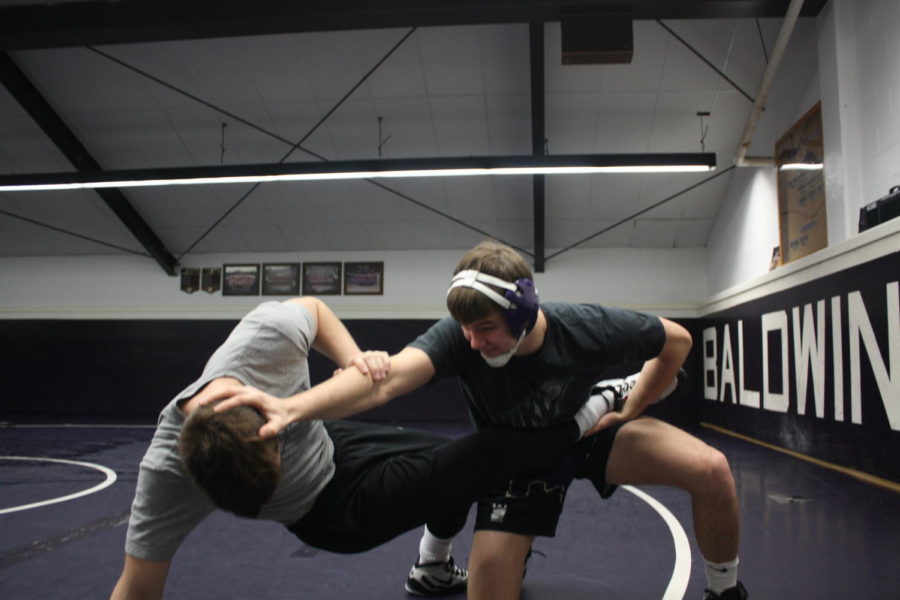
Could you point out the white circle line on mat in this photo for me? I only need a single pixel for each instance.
(110, 479)
(681, 573)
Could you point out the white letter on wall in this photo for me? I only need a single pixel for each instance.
(888, 382)
(837, 348)
(727, 367)
(748, 397)
(775, 321)
(809, 352)
(709, 364)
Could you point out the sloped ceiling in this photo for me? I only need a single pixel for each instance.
(152, 84)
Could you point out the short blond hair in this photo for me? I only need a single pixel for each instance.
(467, 305)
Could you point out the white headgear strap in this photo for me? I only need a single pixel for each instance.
(477, 279)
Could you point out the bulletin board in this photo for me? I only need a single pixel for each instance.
(801, 193)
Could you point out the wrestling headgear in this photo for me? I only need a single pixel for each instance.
(519, 302)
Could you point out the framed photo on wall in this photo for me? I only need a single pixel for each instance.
(281, 279)
(363, 278)
(321, 279)
(240, 280)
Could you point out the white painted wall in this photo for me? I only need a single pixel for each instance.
(869, 245)
(856, 46)
(746, 230)
(860, 49)
(666, 282)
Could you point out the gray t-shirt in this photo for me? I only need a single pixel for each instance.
(267, 350)
(549, 386)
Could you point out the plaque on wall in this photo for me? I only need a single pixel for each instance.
(799, 158)
(190, 280)
(211, 279)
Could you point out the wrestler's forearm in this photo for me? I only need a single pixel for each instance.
(346, 394)
(350, 392)
(659, 372)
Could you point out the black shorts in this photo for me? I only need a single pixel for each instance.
(378, 470)
(532, 505)
(389, 480)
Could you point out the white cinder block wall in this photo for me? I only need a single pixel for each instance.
(860, 49)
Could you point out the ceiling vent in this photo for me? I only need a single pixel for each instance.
(596, 39)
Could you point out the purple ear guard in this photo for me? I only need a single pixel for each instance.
(522, 313)
(519, 302)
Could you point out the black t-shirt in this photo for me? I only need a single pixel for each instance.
(549, 386)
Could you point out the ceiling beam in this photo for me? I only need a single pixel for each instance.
(96, 22)
(59, 133)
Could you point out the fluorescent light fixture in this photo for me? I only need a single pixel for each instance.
(365, 169)
(802, 167)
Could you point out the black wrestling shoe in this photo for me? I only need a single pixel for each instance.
(434, 579)
(738, 592)
(615, 391)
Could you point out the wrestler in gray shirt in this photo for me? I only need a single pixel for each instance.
(344, 486)
(268, 350)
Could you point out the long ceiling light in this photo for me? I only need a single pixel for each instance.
(365, 169)
(802, 167)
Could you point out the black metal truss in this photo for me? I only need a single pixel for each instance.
(131, 21)
(59, 133)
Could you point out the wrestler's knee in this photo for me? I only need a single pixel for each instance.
(714, 473)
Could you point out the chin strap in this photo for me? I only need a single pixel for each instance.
(500, 361)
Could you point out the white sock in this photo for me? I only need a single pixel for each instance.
(434, 549)
(721, 576)
(595, 407)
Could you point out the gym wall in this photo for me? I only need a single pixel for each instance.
(808, 357)
(112, 338)
(125, 371)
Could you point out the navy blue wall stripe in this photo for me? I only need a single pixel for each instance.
(127, 370)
